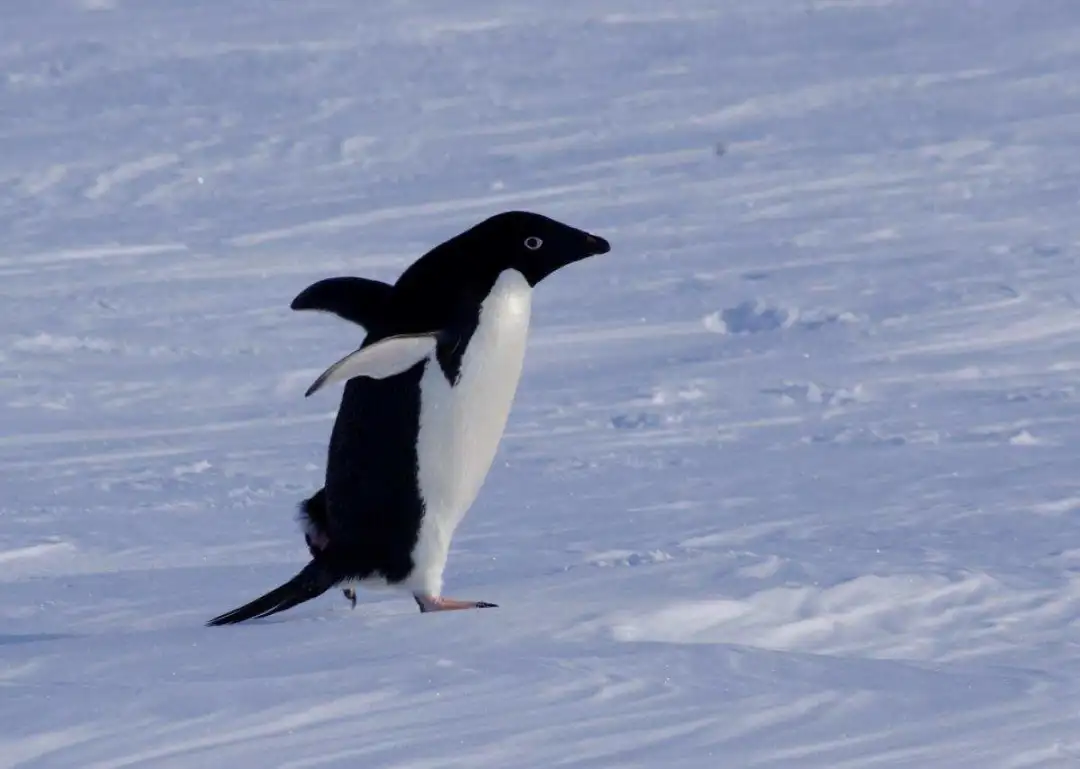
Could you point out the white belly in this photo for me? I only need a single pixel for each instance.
(461, 426)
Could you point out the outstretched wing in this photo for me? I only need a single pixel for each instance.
(385, 358)
(360, 300)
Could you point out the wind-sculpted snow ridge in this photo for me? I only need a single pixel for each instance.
(791, 479)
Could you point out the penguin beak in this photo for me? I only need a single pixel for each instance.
(596, 245)
(570, 247)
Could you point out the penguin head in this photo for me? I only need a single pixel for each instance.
(463, 269)
(533, 244)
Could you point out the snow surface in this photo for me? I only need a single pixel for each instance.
(792, 478)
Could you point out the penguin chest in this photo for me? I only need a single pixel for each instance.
(462, 422)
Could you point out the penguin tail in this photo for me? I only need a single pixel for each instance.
(313, 521)
(312, 581)
(313, 512)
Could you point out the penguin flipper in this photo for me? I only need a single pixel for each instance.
(360, 300)
(312, 581)
(380, 360)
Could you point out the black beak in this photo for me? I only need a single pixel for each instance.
(596, 245)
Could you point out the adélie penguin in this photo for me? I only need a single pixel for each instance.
(425, 403)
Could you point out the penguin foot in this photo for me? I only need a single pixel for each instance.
(437, 603)
(350, 594)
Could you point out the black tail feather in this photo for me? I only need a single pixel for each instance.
(314, 509)
(312, 581)
(312, 515)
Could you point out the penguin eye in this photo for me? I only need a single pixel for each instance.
(532, 242)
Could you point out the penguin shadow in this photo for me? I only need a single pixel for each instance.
(14, 639)
(342, 613)
(292, 620)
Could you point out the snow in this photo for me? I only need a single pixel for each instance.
(791, 479)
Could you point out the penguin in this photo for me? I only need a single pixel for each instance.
(425, 402)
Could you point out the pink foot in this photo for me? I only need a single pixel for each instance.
(437, 603)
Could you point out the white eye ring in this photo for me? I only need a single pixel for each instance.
(532, 242)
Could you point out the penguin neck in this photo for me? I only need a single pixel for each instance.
(494, 354)
(509, 303)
